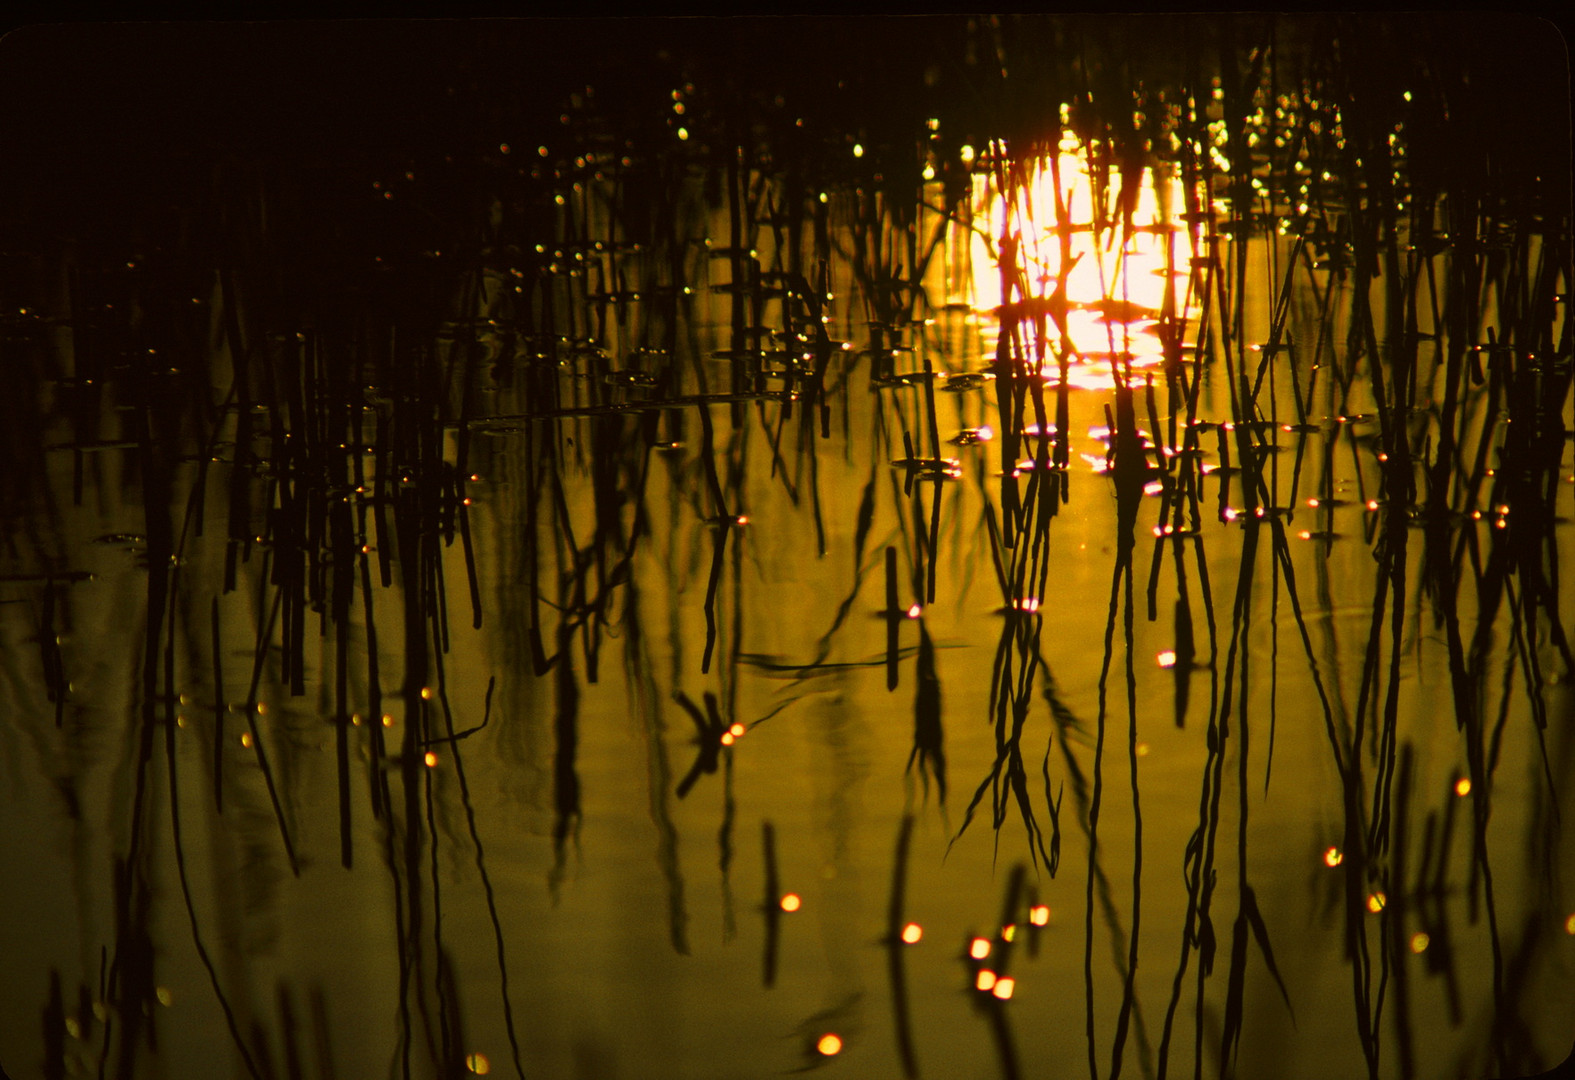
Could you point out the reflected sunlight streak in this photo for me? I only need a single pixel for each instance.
(1114, 291)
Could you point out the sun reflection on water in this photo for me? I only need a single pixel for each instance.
(1117, 252)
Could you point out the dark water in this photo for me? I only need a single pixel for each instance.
(630, 549)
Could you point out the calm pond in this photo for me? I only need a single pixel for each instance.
(946, 547)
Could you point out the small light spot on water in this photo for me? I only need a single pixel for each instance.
(1376, 902)
(1332, 857)
(1003, 987)
(1039, 914)
(1419, 942)
(478, 1064)
(1463, 787)
(246, 739)
(829, 1044)
(979, 948)
(431, 759)
(1008, 932)
(1167, 658)
(791, 902)
(165, 997)
(985, 980)
(912, 933)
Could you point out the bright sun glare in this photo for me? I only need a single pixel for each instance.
(1115, 291)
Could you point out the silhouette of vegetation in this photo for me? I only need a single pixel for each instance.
(567, 328)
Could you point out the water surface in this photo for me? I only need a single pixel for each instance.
(1036, 552)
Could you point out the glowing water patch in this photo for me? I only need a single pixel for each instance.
(1116, 282)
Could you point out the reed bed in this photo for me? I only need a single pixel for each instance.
(742, 276)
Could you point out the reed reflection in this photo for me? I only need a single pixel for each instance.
(791, 396)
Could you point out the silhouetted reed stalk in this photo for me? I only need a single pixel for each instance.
(770, 906)
(128, 922)
(894, 945)
(643, 689)
(171, 696)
